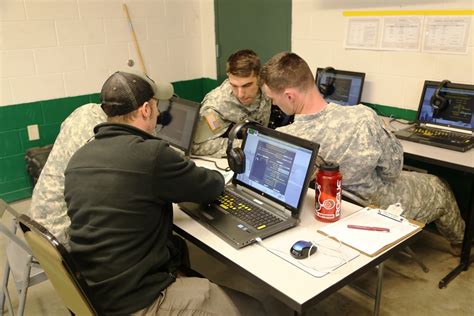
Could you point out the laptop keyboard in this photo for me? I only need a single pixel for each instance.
(442, 135)
(251, 214)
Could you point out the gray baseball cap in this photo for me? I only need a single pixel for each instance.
(124, 92)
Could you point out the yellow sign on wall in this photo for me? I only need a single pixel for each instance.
(407, 12)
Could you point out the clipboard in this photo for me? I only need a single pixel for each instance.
(371, 243)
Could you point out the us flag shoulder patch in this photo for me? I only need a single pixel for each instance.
(212, 121)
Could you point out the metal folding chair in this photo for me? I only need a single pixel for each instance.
(60, 268)
(20, 262)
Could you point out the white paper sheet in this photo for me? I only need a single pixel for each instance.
(402, 33)
(329, 256)
(368, 241)
(362, 33)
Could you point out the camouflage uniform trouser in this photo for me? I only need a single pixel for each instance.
(425, 198)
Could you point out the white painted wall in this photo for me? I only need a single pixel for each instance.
(58, 48)
(392, 78)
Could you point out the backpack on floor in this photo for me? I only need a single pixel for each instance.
(35, 159)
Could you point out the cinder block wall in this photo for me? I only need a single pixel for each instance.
(55, 55)
(59, 48)
(393, 78)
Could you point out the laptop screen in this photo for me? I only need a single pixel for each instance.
(458, 113)
(179, 133)
(347, 85)
(278, 165)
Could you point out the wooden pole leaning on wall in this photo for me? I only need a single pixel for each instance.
(134, 39)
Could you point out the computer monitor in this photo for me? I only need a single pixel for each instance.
(342, 87)
(180, 132)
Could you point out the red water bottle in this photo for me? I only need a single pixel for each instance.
(328, 187)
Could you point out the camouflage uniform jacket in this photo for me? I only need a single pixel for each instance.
(371, 161)
(367, 154)
(227, 108)
(47, 203)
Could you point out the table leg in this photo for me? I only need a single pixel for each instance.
(466, 246)
(378, 290)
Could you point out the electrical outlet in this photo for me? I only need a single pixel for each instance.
(33, 132)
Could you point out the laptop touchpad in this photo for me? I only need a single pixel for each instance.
(225, 223)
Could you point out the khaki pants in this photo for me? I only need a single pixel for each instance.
(199, 296)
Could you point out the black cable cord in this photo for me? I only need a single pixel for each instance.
(373, 108)
(209, 160)
(402, 121)
(319, 158)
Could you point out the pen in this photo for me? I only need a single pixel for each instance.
(373, 228)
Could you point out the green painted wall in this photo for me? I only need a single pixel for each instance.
(390, 111)
(14, 119)
(194, 90)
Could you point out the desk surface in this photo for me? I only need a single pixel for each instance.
(463, 161)
(296, 288)
(440, 156)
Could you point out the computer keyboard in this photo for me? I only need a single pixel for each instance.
(251, 214)
(444, 136)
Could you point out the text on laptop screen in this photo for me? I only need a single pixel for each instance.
(275, 167)
(458, 113)
(347, 86)
(179, 133)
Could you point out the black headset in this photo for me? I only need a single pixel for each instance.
(438, 101)
(165, 116)
(236, 156)
(327, 88)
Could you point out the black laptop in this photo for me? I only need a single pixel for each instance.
(179, 133)
(342, 87)
(268, 197)
(450, 127)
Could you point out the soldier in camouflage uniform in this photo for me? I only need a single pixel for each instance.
(239, 97)
(370, 157)
(48, 206)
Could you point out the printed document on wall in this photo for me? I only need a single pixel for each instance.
(444, 34)
(402, 33)
(362, 33)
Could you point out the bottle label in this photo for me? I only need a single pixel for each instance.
(328, 201)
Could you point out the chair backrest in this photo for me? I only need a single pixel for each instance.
(353, 198)
(59, 267)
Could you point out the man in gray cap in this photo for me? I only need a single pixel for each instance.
(119, 189)
(238, 98)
